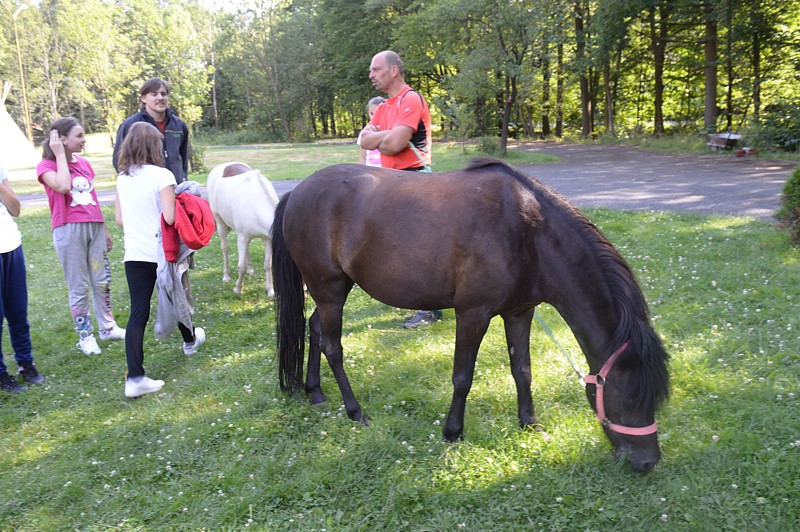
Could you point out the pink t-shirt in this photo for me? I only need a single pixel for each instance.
(80, 203)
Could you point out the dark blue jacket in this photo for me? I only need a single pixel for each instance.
(176, 142)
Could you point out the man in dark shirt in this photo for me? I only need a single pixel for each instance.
(155, 110)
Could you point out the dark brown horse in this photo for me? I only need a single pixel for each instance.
(485, 241)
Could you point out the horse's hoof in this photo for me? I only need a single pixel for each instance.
(237, 290)
(318, 398)
(270, 293)
(538, 428)
(361, 417)
(452, 438)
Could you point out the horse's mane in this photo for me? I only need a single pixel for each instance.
(651, 379)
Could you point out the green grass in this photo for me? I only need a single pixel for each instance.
(222, 448)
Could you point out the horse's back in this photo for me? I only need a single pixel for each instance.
(244, 200)
(355, 191)
(426, 233)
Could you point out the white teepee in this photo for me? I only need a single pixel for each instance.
(15, 150)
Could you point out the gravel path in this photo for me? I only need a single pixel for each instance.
(620, 177)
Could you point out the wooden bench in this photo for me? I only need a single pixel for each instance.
(722, 141)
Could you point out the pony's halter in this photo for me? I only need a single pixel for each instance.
(599, 381)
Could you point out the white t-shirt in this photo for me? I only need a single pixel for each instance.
(10, 237)
(140, 205)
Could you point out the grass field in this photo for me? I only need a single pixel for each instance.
(222, 448)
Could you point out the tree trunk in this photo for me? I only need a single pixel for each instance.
(214, 107)
(710, 71)
(560, 90)
(756, 75)
(274, 81)
(586, 105)
(511, 96)
(609, 118)
(546, 75)
(658, 41)
(729, 69)
(269, 63)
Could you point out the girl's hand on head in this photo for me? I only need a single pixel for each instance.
(55, 143)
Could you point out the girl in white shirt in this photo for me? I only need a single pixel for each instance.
(145, 191)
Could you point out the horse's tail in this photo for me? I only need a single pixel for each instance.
(290, 319)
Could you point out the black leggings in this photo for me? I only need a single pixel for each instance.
(141, 283)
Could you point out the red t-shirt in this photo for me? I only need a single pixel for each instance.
(406, 109)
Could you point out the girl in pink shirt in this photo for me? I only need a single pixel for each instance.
(79, 231)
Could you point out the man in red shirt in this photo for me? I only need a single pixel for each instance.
(401, 121)
(401, 130)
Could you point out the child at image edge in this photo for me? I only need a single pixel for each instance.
(145, 191)
(14, 293)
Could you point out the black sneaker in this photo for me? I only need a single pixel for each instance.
(30, 375)
(423, 317)
(10, 384)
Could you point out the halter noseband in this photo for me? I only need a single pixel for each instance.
(599, 381)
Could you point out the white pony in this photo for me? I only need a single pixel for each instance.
(243, 200)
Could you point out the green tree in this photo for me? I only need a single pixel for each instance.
(163, 42)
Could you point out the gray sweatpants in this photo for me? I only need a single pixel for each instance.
(83, 252)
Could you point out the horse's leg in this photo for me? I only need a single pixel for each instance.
(223, 231)
(244, 256)
(248, 262)
(268, 265)
(470, 328)
(330, 314)
(313, 387)
(518, 334)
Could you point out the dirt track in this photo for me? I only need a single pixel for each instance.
(628, 178)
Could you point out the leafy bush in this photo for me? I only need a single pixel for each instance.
(789, 214)
(778, 126)
(197, 156)
(218, 137)
(489, 145)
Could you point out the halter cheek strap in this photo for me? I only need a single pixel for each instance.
(599, 381)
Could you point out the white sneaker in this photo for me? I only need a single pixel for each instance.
(199, 338)
(114, 333)
(88, 345)
(144, 386)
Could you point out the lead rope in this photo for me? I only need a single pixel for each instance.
(425, 167)
(549, 333)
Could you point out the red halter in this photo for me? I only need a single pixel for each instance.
(599, 381)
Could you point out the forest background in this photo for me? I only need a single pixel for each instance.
(292, 71)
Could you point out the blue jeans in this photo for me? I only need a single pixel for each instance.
(14, 306)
